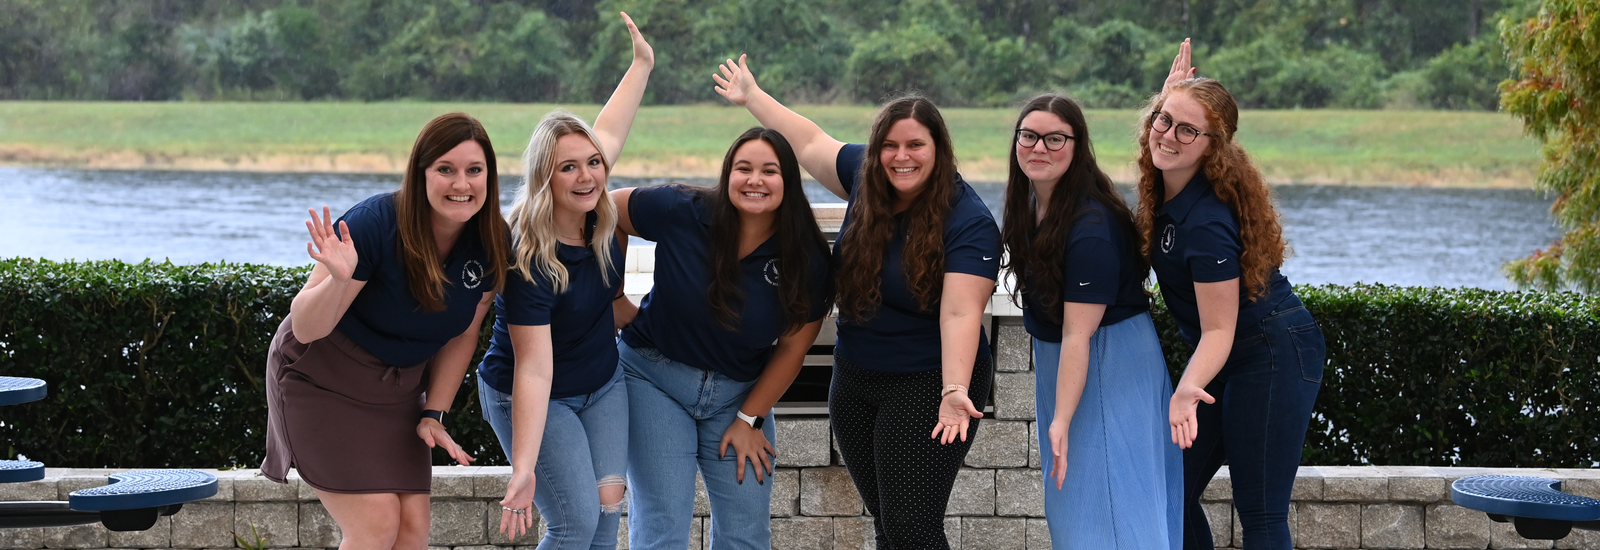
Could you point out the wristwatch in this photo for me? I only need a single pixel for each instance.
(434, 414)
(753, 421)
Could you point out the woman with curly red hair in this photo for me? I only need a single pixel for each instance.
(1213, 239)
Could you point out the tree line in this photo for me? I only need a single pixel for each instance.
(1107, 53)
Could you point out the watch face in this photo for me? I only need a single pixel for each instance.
(758, 422)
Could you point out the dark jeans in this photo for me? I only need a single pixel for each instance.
(1257, 426)
(882, 421)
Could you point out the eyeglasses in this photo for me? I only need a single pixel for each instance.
(1186, 134)
(1053, 141)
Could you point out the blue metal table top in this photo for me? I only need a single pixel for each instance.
(14, 390)
(1523, 496)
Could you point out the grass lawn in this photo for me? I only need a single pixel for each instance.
(1449, 148)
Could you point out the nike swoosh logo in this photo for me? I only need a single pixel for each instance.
(987, 258)
(1222, 260)
(1083, 284)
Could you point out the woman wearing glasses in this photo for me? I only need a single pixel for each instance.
(1213, 238)
(1102, 382)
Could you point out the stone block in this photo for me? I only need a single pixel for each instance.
(999, 444)
(702, 503)
(1353, 484)
(1219, 516)
(1451, 526)
(1019, 492)
(804, 442)
(307, 492)
(44, 489)
(952, 532)
(458, 523)
(78, 536)
(1414, 484)
(1293, 520)
(697, 534)
(203, 525)
(261, 489)
(157, 536)
(1013, 396)
(973, 494)
(276, 523)
(1329, 525)
(1014, 350)
(851, 533)
(1033, 446)
(1504, 535)
(1391, 526)
(1580, 540)
(1307, 485)
(785, 492)
(622, 535)
(317, 528)
(479, 547)
(27, 539)
(453, 481)
(491, 482)
(1220, 488)
(801, 533)
(828, 492)
(491, 526)
(990, 533)
(1038, 534)
(75, 481)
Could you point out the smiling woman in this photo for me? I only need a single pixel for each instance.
(390, 311)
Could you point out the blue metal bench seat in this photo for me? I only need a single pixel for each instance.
(1535, 505)
(14, 471)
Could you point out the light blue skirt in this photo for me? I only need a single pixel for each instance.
(1124, 486)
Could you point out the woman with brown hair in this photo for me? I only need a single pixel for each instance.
(369, 359)
(916, 260)
(1213, 238)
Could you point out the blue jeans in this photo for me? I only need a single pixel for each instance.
(1258, 425)
(585, 446)
(677, 415)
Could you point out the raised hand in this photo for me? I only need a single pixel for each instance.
(1181, 67)
(335, 251)
(1181, 413)
(642, 52)
(955, 412)
(1058, 451)
(516, 510)
(736, 83)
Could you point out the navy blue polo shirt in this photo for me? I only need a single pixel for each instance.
(1098, 268)
(901, 336)
(1197, 241)
(385, 319)
(583, 349)
(676, 318)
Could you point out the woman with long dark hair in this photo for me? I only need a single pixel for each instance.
(1102, 383)
(741, 284)
(550, 384)
(917, 259)
(390, 313)
(1213, 238)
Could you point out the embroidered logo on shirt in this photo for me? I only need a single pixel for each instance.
(1168, 237)
(770, 271)
(1083, 284)
(472, 274)
(1219, 262)
(987, 258)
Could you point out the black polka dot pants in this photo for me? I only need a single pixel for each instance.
(883, 421)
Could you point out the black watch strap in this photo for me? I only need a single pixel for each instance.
(434, 414)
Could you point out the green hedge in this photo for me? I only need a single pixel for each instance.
(155, 365)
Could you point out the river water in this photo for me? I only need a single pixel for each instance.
(1340, 234)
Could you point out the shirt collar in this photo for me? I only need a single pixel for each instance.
(1178, 208)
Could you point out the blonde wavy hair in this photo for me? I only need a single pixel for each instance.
(1233, 176)
(532, 218)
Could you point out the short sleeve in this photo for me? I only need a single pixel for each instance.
(528, 303)
(848, 165)
(973, 248)
(651, 209)
(367, 231)
(1213, 252)
(1092, 272)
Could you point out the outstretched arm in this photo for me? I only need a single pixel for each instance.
(816, 150)
(616, 118)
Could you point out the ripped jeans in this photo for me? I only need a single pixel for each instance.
(585, 447)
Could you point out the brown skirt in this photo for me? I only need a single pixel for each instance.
(346, 420)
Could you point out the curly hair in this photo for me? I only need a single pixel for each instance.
(1233, 176)
(872, 224)
(1036, 266)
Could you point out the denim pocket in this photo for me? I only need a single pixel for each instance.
(1311, 349)
(652, 355)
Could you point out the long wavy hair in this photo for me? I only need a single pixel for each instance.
(872, 224)
(424, 274)
(533, 222)
(1036, 263)
(1233, 176)
(799, 239)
